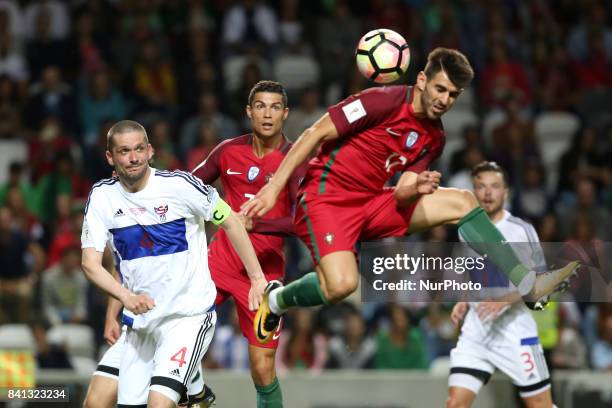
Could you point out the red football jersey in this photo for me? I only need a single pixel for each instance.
(379, 135)
(242, 175)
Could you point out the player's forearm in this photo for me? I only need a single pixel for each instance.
(406, 195)
(243, 246)
(100, 277)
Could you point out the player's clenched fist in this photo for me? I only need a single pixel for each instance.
(263, 201)
(138, 304)
(428, 182)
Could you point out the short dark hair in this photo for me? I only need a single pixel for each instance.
(124, 126)
(453, 62)
(490, 166)
(269, 86)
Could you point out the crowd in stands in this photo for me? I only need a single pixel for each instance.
(183, 68)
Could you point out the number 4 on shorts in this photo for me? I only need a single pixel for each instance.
(179, 357)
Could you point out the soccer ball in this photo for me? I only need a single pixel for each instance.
(382, 55)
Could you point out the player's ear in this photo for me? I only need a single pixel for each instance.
(286, 113)
(151, 152)
(248, 112)
(109, 158)
(421, 81)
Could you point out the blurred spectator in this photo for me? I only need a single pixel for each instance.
(67, 235)
(401, 346)
(197, 80)
(12, 62)
(300, 346)
(514, 142)
(161, 140)
(99, 101)
(208, 114)
(90, 45)
(597, 217)
(548, 228)
(570, 351)
(336, 46)
(207, 140)
(51, 97)
(97, 165)
(291, 28)
(154, 81)
(531, 201)
(553, 73)
(230, 349)
(55, 11)
(503, 78)
(10, 109)
(64, 289)
(250, 24)
(601, 354)
(22, 261)
(354, 349)
(17, 178)
(63, 179)
(44, 48)
(580, 36)
(251, 74)
(582, 159)
(24, 220)
(463, 177)
(303, 116)
(593, 71)
(471, 138)
(11, 19)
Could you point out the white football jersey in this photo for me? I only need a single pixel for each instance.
(515, 321)
(158, 238)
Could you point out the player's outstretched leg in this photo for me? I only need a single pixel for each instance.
(454, 206)
(340, 279)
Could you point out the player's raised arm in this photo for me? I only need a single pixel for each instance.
(322, 131)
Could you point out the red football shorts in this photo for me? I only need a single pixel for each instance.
(230, 278)
(329, 223)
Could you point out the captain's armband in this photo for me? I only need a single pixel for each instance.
(221, 212)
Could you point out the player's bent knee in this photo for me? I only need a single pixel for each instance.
(341, 289)
(466, 201)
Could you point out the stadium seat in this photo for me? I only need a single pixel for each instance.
(11, 150)
(17, 336)
(440, 366)
(296, 71)
(455, 121)
(554, 132)
(234, 66)
(465, 102)
(489, 123)
(78, 339)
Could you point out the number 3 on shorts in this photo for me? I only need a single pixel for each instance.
(179, 357)
(528, 361)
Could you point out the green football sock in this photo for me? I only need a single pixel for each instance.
(269, 396)
(478, 231)
(305, 291)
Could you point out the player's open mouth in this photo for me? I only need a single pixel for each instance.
(267, 126)
(438, 109)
